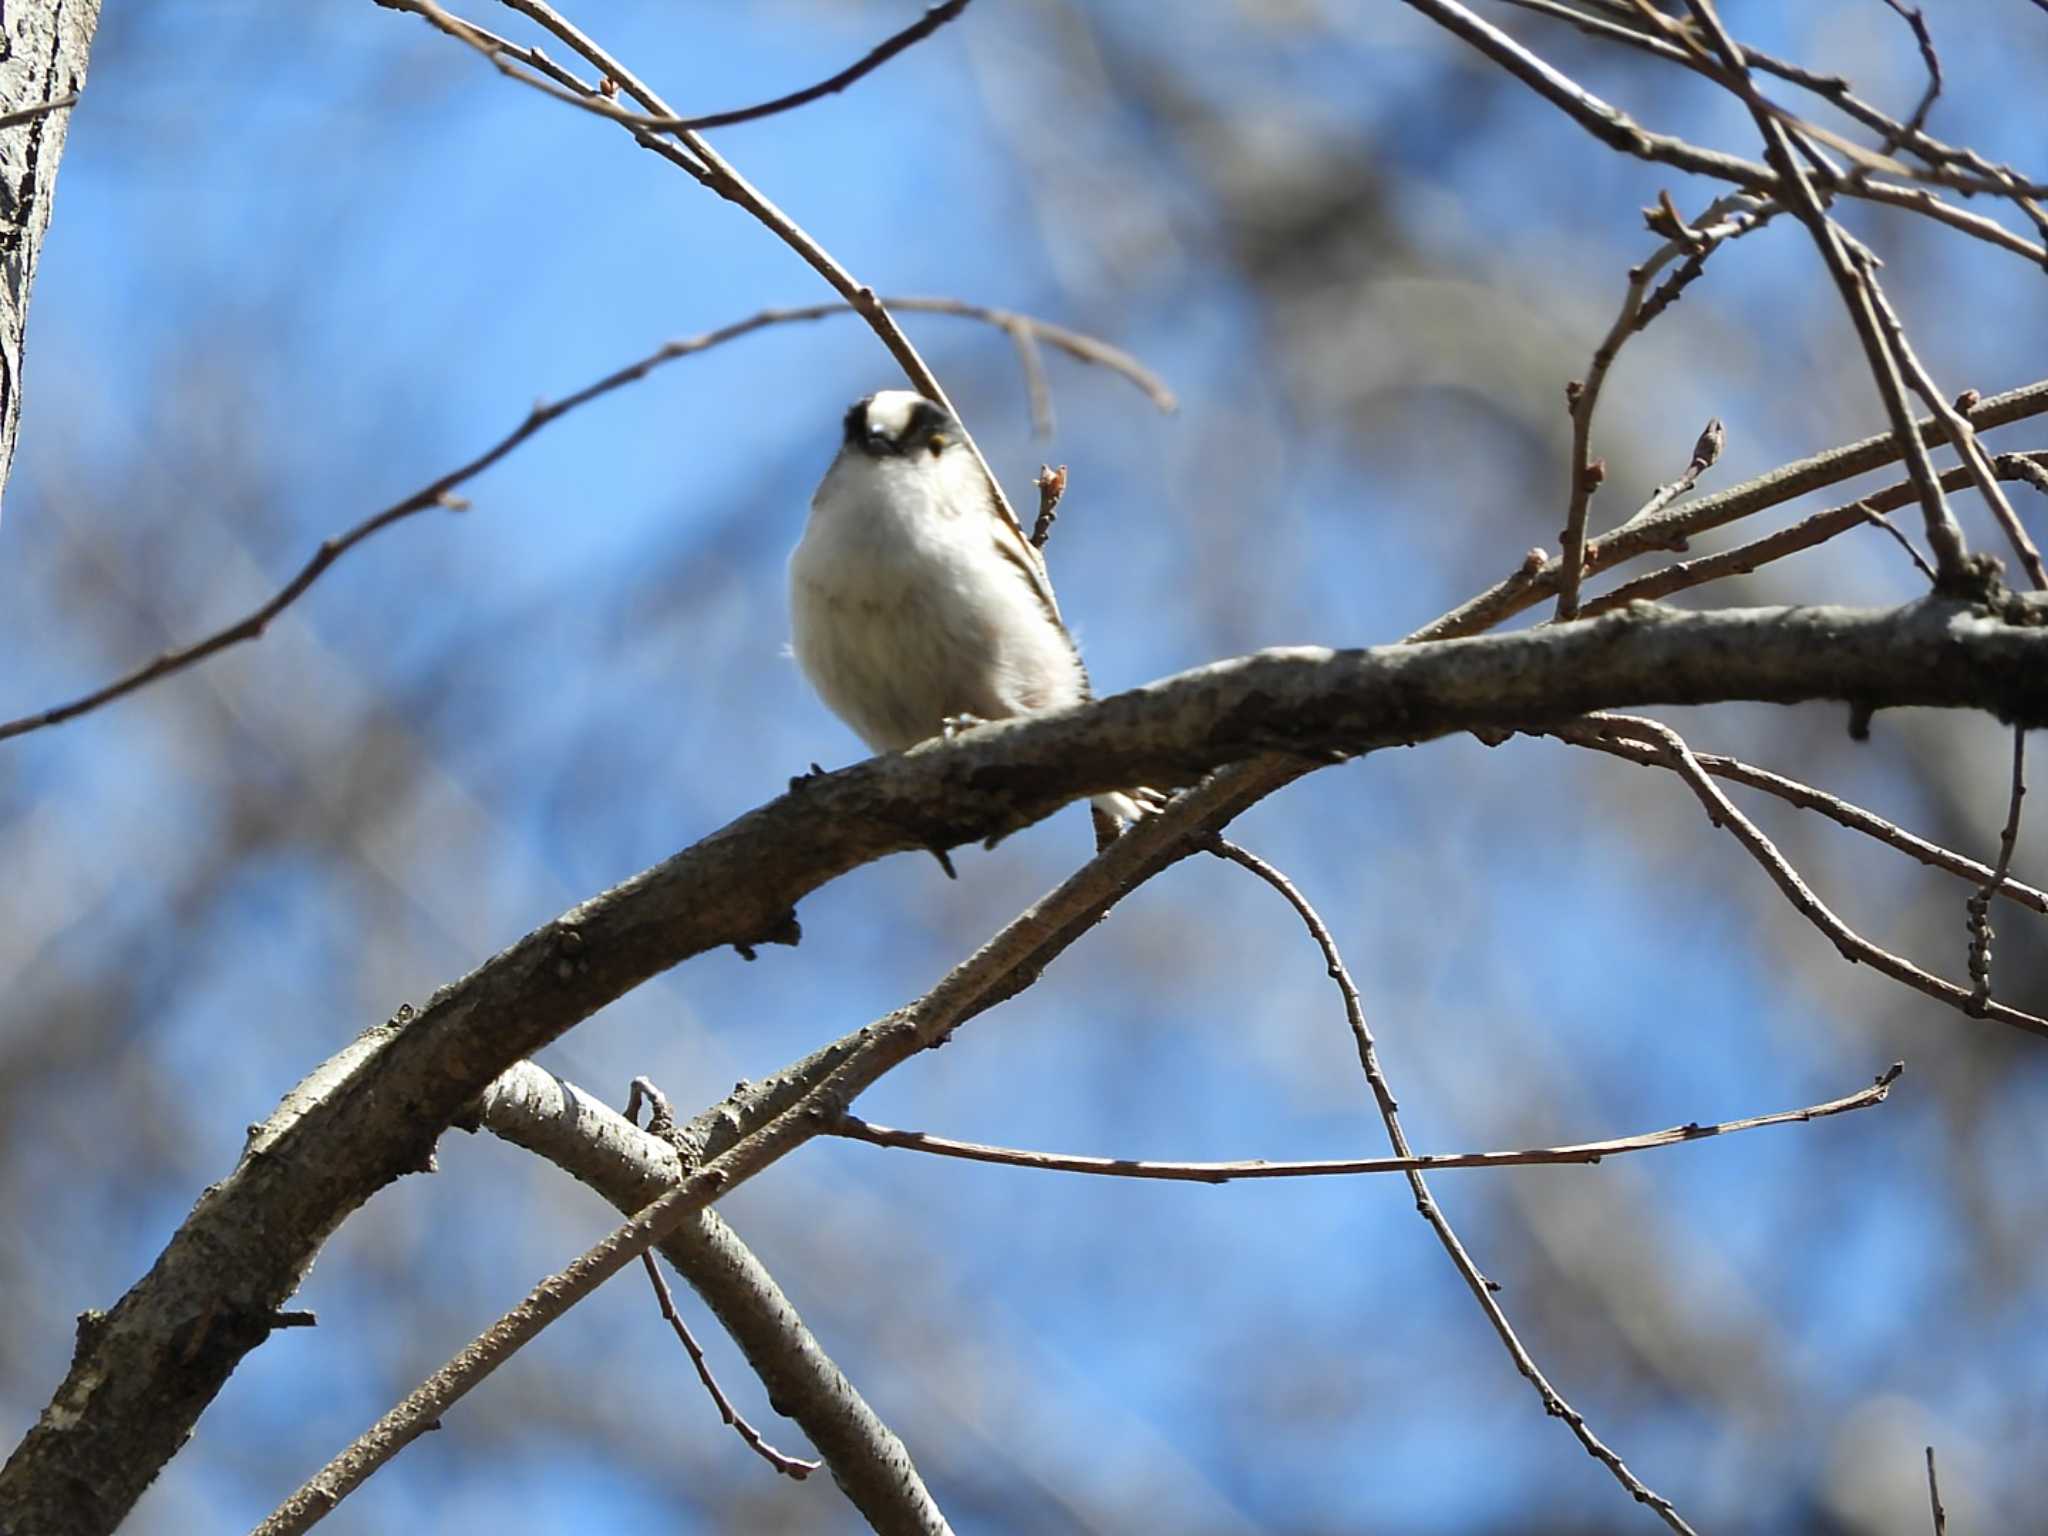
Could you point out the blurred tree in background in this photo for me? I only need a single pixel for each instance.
(304, 260)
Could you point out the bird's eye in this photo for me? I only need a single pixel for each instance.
(937, 443)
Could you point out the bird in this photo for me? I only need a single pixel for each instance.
(917, 607)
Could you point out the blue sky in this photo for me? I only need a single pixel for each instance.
(305, 259)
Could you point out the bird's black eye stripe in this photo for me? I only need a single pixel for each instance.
(857, 420)
(927, 426)
(925, 419)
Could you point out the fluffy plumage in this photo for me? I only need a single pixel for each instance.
(913, 600)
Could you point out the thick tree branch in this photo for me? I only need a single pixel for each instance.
(629, 1167)
(145, 1371)
(42, 66)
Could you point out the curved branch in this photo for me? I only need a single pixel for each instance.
(874, 59)
(144, 1371)
(440, 492)
(532, 1108)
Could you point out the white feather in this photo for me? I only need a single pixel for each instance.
(907, 610)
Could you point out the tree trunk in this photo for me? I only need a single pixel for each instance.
(43, 50)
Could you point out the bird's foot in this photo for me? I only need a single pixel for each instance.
(959, 725)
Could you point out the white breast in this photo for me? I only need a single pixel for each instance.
(905, 613)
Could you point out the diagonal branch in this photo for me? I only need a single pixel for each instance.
(145, 1370)
(1845, 814)
(532, 1108)
(970, 987)
(1537, 579)
(1597, 732)
(717, 174)
(1860, 295)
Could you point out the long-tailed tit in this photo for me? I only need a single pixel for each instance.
(915, 603)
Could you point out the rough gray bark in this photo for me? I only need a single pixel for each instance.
(143, 1372)
(44, 46)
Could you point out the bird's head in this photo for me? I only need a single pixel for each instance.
(900, 424)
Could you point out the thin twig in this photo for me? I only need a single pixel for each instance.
(1706, 453)
(1877, 519)
(874, 59)
(536, 1110)
(789, 1466)
(1596, 731)
(502, 52)
(1032, 363)
(1809, 532)
(22, 115)
(1859, 291)
(1977, 176)
(438, 493)
(1913, 124)
(1482, 1289)
(1979, 905)
(1845, 814)
(1535, 580)
(1960, 433)
(662, 1116)
(856, 1129)
(1002, 966)
(1618, 131)
(1052, 485)
(719, 175)
(1934, 1482)
(1582, 396)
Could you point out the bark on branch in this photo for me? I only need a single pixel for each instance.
(46, 46)
(143, 1373)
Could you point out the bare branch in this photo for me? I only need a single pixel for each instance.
(1860, 295)
(933, 19)
(439, 493)
(1052, 485)
(789, 1466)
(1844, 814)
(717, 174)
(532, 1108)
(1933, 1482)
(856, 1129)
(1960, 432)
(1853, 947)
(1979, 906)
(1618, 131)
(1976, 174)
(1913, 124)
(374, 1112)
(1481, 1288)
(1583, 395)
(1809, 532)
(883, 1045)
(505, 54)
(1669, 529)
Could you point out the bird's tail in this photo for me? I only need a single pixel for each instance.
(1110, 812)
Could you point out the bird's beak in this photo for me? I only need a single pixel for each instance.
(878, 444)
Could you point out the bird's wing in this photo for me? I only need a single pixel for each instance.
(1014, 547)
